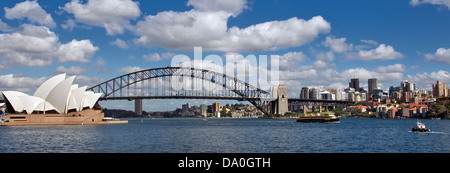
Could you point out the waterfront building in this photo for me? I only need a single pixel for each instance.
(215, 107)
(304, 93)
(381, 111)
(351, 96)
(203, 109)
(341, 95)
(349, 90)
(314, 94)
(363, 96)
(217, 114)
(439, 89)
(185, 107)
(404, 113)
(326, 95)
(372, 84)
(392, 112)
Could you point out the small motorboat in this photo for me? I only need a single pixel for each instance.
(420, 127)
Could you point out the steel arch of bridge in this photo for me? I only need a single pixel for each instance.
(235, 89)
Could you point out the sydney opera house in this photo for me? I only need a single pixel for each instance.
(56, 102)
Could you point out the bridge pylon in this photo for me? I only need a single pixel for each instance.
(138, 106)
(280, 105)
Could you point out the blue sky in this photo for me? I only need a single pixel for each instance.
(320, 43)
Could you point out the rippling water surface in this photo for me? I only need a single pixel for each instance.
(351, 135)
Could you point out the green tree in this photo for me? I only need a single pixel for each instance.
(437, 110)
(440, 108)
(338, 111)
(356, 112)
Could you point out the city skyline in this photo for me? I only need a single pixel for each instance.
(321, 44)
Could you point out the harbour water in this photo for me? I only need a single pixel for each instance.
(216, 135)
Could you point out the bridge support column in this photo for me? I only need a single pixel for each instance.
(280, 106)
(138, 106)
(304, 109)
(320, 108)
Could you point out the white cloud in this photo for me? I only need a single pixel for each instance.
(233, 6)
(38, 46)
(298, 75)
(291, 60)
(120, 43)
(329, 56)
(19, 83)
(330, 78)
(69, 24)
(336, 85)
(155, 57)
(76, 51)
(337, 44)
(4, 27)
(425, 80)
(73, 70)
(442, 55)
(32, 11)
(208, 29)
(382, 52)
(113, 15)
(371, 42)
(83, 80)
(433, 2)
(319, 64)
(364, 74)
(127, 70)
(391, 68)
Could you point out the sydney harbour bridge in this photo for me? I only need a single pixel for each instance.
(194, 83)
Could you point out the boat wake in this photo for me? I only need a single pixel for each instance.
(432, 132)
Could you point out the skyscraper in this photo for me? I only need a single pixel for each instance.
(203, 109)
(304, 94)
(373, 84)
(314, 94)
(439, 89)
(215, 107)
(354, 83)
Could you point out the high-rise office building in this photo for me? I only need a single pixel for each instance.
(407, 86)
(185, 107)
(440, 89)
(304, 93)
(215, 107)
(354, 83)
(372, 84)
(203, 109)
(314, 94)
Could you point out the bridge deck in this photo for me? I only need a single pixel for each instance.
(179, 97)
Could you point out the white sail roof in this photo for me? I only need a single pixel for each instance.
(48, 85)
(30, 102)
(58, 95)
(77, 95)
(44, 106)
(13, 97)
